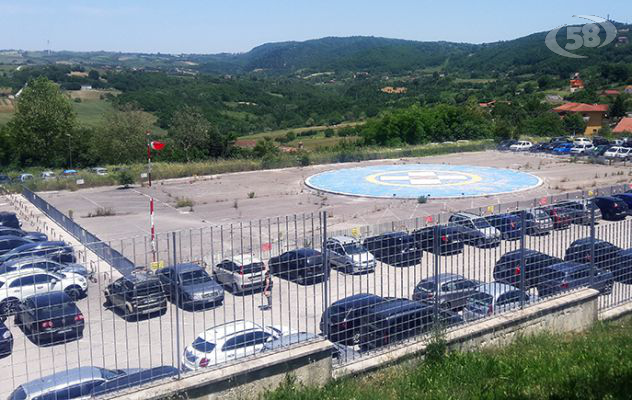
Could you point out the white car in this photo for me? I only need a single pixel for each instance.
(618, 152)
(100, 171)
(349, 255)
(17, 286)
(579, 149)
(582, 140)
(48, 175)
(522, 145)
(228, 342)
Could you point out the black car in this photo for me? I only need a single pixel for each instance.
(509, 225)
(580, 211)
(398, 249)
(508, 270)
(32, 236)
(303, 266)
(506, 144)
(394, 320)
(8, 243)
(568, 275)
(562, 218)
(599, 150)
(450, 238)
(50, 318)
(538, 147)
(133, 379)
(600, 141)
(607, 257)
(55, 250)
(627, 199)
(136, 295)
(6, 341)
(9, 219)
(612, 208)
(190, 287)
(342, 321)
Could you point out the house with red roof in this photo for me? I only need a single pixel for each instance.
(611, 92)
(593, 114)
(624, 126)
(576, 84)
(628, 90)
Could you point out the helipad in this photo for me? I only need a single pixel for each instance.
(415, 180)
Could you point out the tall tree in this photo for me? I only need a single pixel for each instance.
(619, 107)
(574, 124)
(41, 125)
(123, 135)
(190, 133)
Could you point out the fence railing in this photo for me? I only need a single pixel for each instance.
(223, 294)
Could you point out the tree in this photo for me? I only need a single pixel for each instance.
(574, 124)
(122, 138)
(93, 74)
(265, 148)
(190, 133)
(619, 107)
(39, 129)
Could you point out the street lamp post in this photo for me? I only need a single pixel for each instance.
(69, 151)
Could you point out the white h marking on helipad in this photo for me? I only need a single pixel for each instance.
(424, 178)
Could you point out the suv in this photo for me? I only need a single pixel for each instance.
(190, 287)
(612, 208)
(303, 266)
(607, 257)
(17, 286)
(581, 149)
(451, 238)
(582, 141)
(9, 219)
(398, 249)
(508, 270)
(489, 236)
(341, 322)
(454, 289)
(618, 152)
(136, 294)
(57, 250)
(349, 255)
(580, 211)
(537, 221)
(242, 273)
(562, 217)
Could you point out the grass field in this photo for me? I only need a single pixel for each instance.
(283, 132)
(90, 113)
(592, 365)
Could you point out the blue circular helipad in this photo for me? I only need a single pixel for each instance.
(414, 180)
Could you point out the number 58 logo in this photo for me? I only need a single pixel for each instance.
(582, 36)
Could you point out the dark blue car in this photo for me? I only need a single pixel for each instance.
(342, 321)
(627, 199)
(564, 148)
(569, 275)
(32, 236)
(606, 257)
(509, 225)
(6, 341)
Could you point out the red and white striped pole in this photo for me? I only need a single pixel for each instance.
(155, 145)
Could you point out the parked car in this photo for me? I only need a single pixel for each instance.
(32, 236)
(17, 286)
(538, 147)
(10, 220)
(506, 144)
(42, 264)
(522, 145)
(581, 149)
(627, 199)
(493, 298)
(488, 236)
(393, 320)
(618, 152)
(599, 151)
(398, 249)
(582, 141)
(569, 275)
(537, 221)
(74, 383)
(562, 218)
(607, 257)
(70, 172)
(288, 340)
(135, 378)
(136, 295)
(6, 341)
(303, 266)
(600, 141)
(55, 250)
(9, 242)
(25, 177)
(510, 226)
(100, 171)
(450, 238)
(48, 175)
(342, 320)
(190, 287)
(228, 342)
(612, 208)
(508, 268)
(242, 273)
(4, 179)
(454, 289)
(563, 149)
(50, 318)
(349, 255)
(580, 211)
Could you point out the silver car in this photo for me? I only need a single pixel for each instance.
(349, 255)
(493, 298)
(241, 273)
(538, 221)
(454, 289)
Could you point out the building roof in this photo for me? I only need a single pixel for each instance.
(581, 107)
(625, 125)
(577, 83)
(611, 92)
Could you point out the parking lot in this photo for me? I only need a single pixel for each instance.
(112, 342)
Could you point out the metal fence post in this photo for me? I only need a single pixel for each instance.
(592, 246)
(523, 232)
(326, 273)
(436, 232)
(178, 302)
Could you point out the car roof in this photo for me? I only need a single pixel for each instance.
(306, 251)
(568, 266)
(587, 241)
(24, 272)
(185, 267)
(290, 339)
(357, 298)
(61, 379)
(140, 277)
(222, 331)
(469, 215)
(244, 259)
(344, 239)
(50, 298)
(39, 245)
(28, 260)
(395, 306)
(495, 288)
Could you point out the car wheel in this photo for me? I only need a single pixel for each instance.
(108, 300)
(300, 279)
(74, 292)
(8, 307)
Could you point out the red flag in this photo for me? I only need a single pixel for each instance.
(266, 246)
(156, 145)
(429, 219)
(543, 201)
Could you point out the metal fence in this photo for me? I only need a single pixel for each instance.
(222, 294)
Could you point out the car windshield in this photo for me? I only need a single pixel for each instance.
(428, 286)
(148, 288)
(200, 344)
(18, 394)
(481, 299)
(481, 223)
(195, 277)
(354, 248)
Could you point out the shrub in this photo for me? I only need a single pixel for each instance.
(184, 202)
(422, 199)
(101, 212)
(251, 195)
(125, 178)
(329, 132)
(303, 160)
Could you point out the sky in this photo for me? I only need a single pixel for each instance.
(196, 26)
